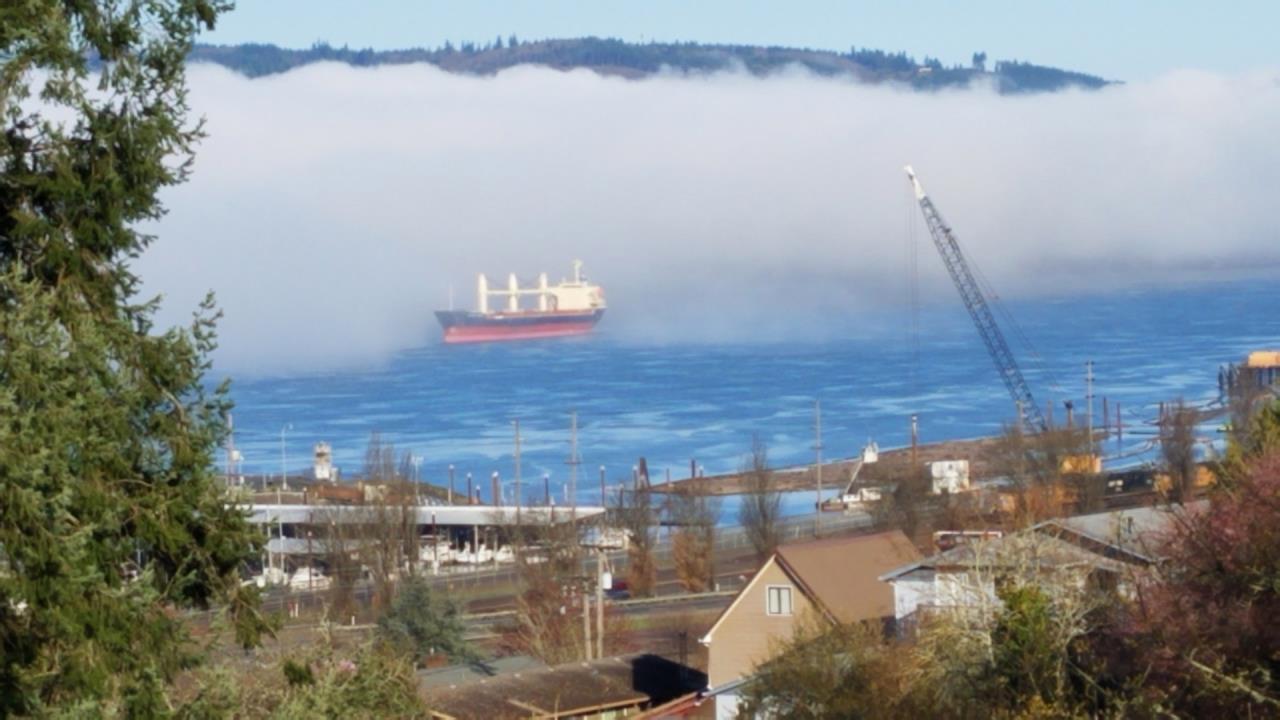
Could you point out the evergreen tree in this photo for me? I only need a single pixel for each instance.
(1255, 434)
(111, 519)
(423, 622)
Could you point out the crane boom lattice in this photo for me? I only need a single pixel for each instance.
(979, 310)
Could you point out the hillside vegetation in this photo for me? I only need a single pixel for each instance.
(634, 60)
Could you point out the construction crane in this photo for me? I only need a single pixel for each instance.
(975, 301)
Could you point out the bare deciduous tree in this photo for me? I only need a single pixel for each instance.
(379, 460)
(389, 541)
(761, 507)
(1046, 471)
(374, 535)
(1001, 632)
(1177, 450)
(637, 515)
(549, 568)
(695, 515)
(907, 508)
(339, 548)
(388, 526)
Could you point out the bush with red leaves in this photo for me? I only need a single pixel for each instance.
(1207, 624)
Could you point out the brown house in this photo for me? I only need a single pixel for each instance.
(834, 579)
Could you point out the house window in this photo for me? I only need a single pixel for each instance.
(779, 600)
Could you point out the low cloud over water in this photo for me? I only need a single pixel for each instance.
(333, 207)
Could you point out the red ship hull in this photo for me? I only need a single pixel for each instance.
(462, 327)
(475, 334)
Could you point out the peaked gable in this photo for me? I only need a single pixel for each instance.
(842, 575)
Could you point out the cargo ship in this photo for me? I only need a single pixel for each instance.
(573, 307)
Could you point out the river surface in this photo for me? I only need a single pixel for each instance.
(455, 405)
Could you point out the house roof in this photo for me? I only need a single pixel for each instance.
(1108, 540)
(840, 575)
(447, 515)
(459, 675)
(565, 690)
(1043, 550)
(1139, 532)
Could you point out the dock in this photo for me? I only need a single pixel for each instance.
(893, 463)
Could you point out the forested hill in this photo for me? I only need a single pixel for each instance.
(635, 60)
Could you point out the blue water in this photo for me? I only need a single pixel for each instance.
(455, 405)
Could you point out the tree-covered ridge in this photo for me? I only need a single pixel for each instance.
(610, 56)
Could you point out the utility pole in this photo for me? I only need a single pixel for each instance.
(435, 545)
(284, 457)
(450, 484)
(586, 624)
(817, 447)
(417, 478)
(602, 497)
(599, 601)
(573, 462)
(915, 441)
(517, 424)
(280, 552)
(1088, 398)
(1119, 427)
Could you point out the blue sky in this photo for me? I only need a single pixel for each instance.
(1128, 40)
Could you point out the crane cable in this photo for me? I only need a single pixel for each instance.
(912, 263)
(1019, 334)
(985, 288)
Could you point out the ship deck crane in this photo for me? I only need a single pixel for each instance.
(975, 301)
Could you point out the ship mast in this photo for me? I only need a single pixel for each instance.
(482, 294)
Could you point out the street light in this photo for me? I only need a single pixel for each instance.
(284, 456)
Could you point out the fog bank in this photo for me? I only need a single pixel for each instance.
(332, 207)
